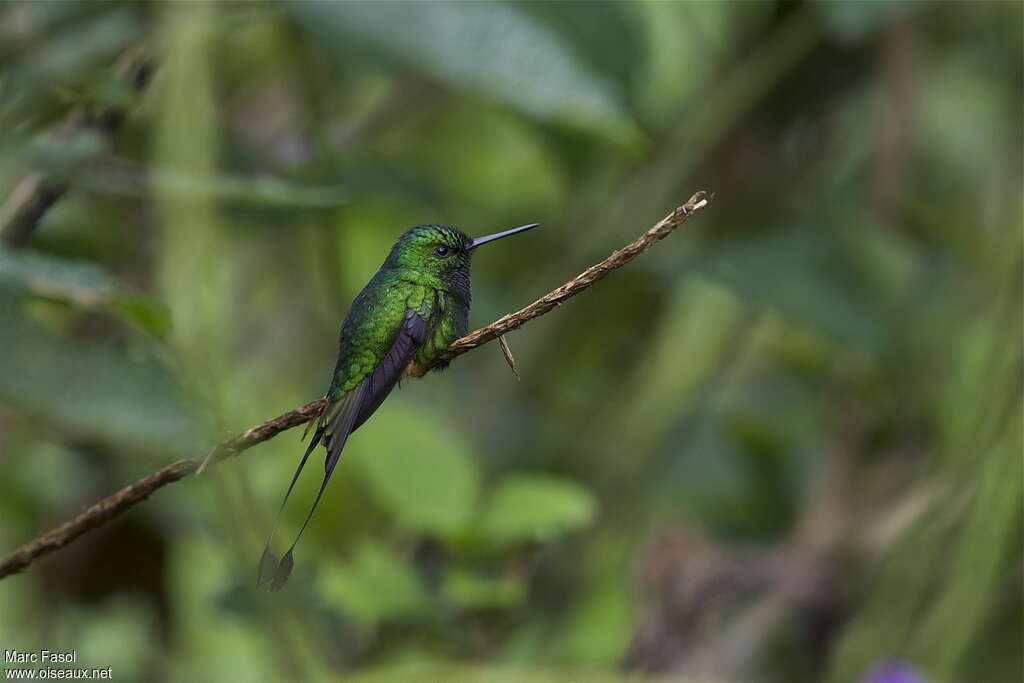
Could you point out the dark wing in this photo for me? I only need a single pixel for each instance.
(410, 338)
(340, 419)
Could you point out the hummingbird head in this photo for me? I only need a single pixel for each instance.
(439, 255)
(431, 249)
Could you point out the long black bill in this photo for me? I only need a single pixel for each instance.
(498, 235)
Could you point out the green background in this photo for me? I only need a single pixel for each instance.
(783, 445)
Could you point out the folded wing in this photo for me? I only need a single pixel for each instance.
(340, 419)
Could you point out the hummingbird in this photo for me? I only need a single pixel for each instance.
(413, 307)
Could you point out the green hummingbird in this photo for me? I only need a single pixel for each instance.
(415, 305)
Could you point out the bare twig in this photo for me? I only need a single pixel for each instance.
(507, 352)
(38, 191)
(114, 505)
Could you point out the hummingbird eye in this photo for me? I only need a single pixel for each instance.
(441, 251)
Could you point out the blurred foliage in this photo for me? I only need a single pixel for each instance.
(824, 364)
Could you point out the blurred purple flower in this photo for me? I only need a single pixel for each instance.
(894, 672)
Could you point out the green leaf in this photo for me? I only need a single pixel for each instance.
(537, 507)
(93, 390)
(375, 586)
(148, 313)
(67, 43)
(601, 34)
(81, 284)
(51, 277)
(479, 592)
(254, 191)
(418, 470)
(493, 48)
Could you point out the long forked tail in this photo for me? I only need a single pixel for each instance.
(333, 430)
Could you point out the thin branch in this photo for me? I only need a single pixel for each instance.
(129, 496)
(38, 191)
